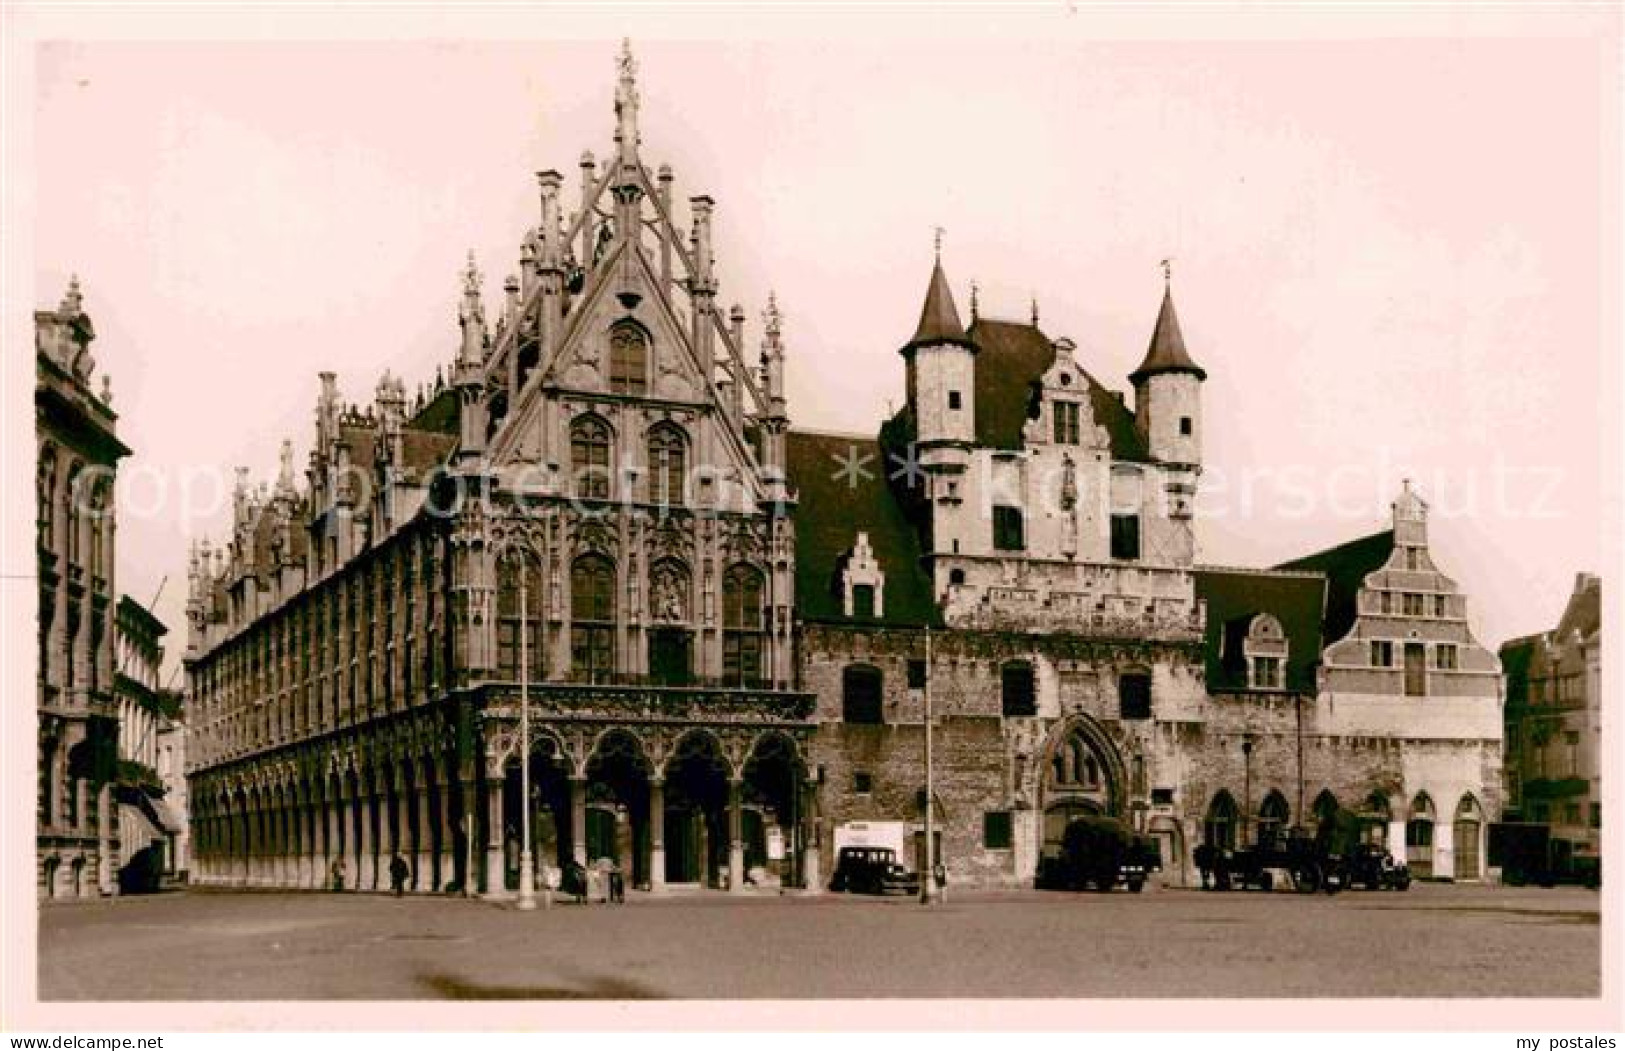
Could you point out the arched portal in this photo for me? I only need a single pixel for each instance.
(772, 815)
(1419, 837)
(550, 825)
(1082, 775)
(1468, 829)
(616, 824)
(696, 811)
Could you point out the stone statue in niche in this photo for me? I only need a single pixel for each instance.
(666, 602)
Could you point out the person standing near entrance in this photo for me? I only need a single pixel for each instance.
(398, 871)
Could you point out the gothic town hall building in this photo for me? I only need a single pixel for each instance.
(725, 629)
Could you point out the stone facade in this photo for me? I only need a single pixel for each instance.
(78, 452)
(149, 782)
(722, 632)
(585, 530)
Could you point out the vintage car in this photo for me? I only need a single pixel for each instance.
(1372, 867)
(1102, 853)
(872, 870)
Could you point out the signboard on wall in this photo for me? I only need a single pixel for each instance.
(775, 843)
(870, 834)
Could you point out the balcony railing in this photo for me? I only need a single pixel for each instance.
(1003, 607)
(652, 703)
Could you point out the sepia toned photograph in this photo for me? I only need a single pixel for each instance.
(1052, 507)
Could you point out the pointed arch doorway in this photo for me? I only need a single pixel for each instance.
(1082, 776)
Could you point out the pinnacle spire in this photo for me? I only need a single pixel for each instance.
(1167, 350)
(626, 104)
(939, 319)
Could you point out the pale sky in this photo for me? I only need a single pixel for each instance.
(1394, 258)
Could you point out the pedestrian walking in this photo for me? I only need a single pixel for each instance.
(617, 883)
(398, 871)
(337, 874)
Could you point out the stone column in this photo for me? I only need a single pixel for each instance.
(812, 879)
(403, 830)
(310, 833)
(366, 860)
(578, 819)
(288, 843)
(657, 835)
(736, 838)
(423, 860)
(464, 860)
(494, 882)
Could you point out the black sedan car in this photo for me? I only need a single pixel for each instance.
(872, 870)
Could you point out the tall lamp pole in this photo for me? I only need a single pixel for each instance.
(527, 869)
(1247, 790)
(928, 878)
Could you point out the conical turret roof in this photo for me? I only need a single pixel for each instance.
(939, 319)
(1167, 350)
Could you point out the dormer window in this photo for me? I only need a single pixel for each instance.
(1265, 649)
(863, 584)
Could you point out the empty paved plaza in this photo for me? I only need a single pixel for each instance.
(1435, 940)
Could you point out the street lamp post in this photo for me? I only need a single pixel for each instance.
(527, 870)
(928, 878)
(1247, 790)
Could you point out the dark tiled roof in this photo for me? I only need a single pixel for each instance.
(425, 450)
(939, 319)
(1346, 566)
(440, 414)
(1584, 611)
(830, 512)
(1166, 352)
(1235, 596)
(1014, 357)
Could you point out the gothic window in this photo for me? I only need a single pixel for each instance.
(861, 692)
(1018, 690)
(1419, 837)
(45, 483)
(1273, 814)
(1074, 764)
(628, 360)
(742, 627)
(1219, 829)
(515, 626)
(667, 467)
(73, 515)
(1007, 528)
(589, 457)
(1067, 423)
(1134, 695)
(1324, 806)
(592, 616)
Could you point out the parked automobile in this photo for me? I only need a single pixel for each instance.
(872, 870)
(1102, 852)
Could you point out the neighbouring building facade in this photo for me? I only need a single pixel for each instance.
(148, 779)
(1554, 722)
(78, 452)
(726, 630)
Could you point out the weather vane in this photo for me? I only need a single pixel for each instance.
(1167, 269)
(940, 231)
